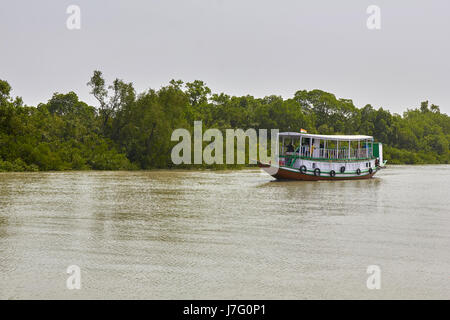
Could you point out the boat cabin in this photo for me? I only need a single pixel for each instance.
(332, 155)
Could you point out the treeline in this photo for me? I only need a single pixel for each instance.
(127, 130)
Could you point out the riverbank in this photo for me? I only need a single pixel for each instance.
(67, 134)
(20, 167)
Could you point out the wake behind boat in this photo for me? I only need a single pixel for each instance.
(326, 157)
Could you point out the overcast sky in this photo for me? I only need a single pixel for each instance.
(240, 47)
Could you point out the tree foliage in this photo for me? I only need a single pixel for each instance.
(130, 131)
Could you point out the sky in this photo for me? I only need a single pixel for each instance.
(239, 47)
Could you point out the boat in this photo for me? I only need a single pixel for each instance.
(314, 157)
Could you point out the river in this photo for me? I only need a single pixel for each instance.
(224, 235)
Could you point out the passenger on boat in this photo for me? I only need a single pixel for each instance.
(290, 148)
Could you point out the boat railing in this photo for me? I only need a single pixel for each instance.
(330, 154)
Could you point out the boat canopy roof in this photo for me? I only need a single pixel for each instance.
(325, 136)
